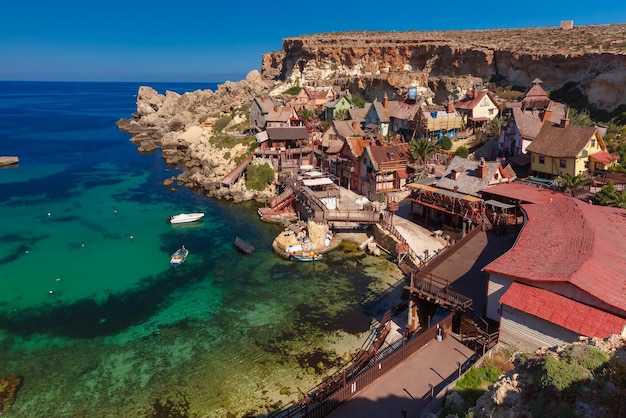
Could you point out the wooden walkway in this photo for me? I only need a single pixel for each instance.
(234, 175)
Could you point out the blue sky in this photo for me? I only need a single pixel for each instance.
(183, 40)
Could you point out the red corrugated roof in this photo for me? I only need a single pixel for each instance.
(577, 317)
(524, 193)
(574, 242)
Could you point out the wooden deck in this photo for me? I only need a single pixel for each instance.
(234, 175)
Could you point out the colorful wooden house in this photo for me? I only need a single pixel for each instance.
(477, 108)
(337, 107)
(383, 169)
(561, 149)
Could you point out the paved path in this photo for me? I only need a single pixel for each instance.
(406, 388)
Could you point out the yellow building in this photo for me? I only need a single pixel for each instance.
(562, 148)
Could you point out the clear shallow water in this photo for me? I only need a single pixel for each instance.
(91, 314)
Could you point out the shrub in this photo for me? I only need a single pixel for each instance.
(462, 151)
(445, 143)
(560, 374)
(259, 176)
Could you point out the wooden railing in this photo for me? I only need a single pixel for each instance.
(439, 289)
(318, 405)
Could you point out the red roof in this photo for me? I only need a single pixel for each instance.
(567, 313)
(524, 193)
(603, 157)
(574, 242)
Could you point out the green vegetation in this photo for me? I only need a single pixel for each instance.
(358, 101)
(572, 183)
(292, 91)
(422, 149)
(462, 151)
(477, 380)
(306, 114)
(610, 196)
(445, 143)
(228, 141)
(560, 382)
(259, 176)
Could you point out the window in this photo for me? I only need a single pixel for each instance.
(485, 102)
(563, 164)
(542, 159)
(491, 111)
(593, 143)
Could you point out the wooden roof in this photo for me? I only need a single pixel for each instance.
(567, 142)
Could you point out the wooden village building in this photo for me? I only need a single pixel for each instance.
(524, 119)
(477, 108)
(454, 202)
(544, 293)
(562, 149)
(285, 148)
(265, 113)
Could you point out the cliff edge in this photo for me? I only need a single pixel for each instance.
(591, 57)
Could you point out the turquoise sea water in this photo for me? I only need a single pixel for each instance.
(94, 319)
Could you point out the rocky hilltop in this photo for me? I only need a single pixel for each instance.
(593, 58)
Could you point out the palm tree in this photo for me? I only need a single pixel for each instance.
(572, 183)
(609, 196)
(422, 149)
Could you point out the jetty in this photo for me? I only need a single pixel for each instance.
(8, 160)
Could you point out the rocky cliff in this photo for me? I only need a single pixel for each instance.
(370, 63)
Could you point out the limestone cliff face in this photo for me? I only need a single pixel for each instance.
(593, 57)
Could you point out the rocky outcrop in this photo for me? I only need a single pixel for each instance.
(591, 57)
(510, 395)
(182, 125)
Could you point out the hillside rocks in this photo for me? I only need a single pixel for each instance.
(591, 57)
(182, 124)
(510, 396)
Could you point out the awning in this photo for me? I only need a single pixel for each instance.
(317, 182)
(261, 137)
(422, 187)
(483, 119)
(403, 174)
(499, 204)
(602, 157)
(471, 198)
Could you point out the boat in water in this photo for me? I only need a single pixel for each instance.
(186, 217)
(179, 257)
(305, 256)
(244, 246)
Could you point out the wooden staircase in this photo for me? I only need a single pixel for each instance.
(475, 334)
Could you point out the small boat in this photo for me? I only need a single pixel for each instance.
(8, 160)
(186, 217)
(244, 246)
(305, 256)
(179, 257)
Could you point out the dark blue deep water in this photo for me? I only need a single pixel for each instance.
(93, 318)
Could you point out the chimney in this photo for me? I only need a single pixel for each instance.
(354, 125)
(450, 108)
(482, 168)
(275, 108)
(565, 120)
(385, 101)
(547, 113)
(475, 94)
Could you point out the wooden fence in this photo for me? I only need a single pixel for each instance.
(316, 405)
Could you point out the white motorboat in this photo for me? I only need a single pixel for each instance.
(186, 217)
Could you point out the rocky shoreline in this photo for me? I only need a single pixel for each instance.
(181, 125)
